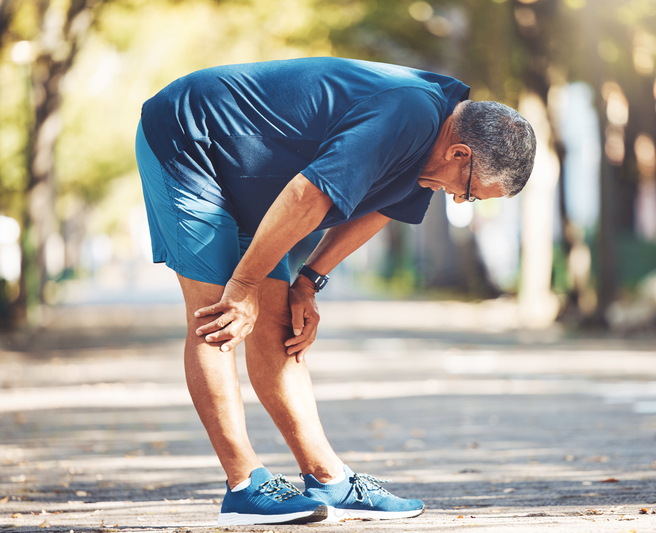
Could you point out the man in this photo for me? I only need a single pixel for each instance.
(238, 164)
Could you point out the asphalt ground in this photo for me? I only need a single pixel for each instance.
(496, 428)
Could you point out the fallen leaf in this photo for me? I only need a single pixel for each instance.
(644, 510)
(611, 480)
(460, 516)
(592, 511)
(597, 459)
(5, 499)
(45, 523)
(379, 423)
(16, 515)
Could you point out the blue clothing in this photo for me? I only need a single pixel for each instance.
(196, 238)
(360, 131)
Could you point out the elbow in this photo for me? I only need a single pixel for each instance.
(305, 192)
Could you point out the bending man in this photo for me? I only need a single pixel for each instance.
(239, 163)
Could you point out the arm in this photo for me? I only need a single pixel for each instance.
(337, 244)
(297, 211)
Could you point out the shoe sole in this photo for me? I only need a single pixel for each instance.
(303, 517)
(338, 515)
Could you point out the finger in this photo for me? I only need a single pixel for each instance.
(220, 336)
(213, 309)
(300, 346)
(294, 340)
(215, 325)
(301, 355)
(236, 339)
(297, 320)
(226, 333)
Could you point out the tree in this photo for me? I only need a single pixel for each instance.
(55, 32)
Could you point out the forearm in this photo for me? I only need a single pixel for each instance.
(339, 242)
(297, 211)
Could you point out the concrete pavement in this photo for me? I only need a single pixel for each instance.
(495, 428)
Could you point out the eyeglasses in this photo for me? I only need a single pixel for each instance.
(468, 197)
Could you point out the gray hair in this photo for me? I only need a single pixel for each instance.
(502, 142)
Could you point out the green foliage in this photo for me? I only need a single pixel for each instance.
(133, 48)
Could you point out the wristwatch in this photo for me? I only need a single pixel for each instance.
(316, 278)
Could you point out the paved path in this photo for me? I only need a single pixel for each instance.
(495, 428)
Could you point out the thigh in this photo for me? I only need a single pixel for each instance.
(199, 294)
(196, 238)
(281, 270)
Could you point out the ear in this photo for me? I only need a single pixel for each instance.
(458, 151)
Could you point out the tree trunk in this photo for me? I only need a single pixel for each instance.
(59, 40)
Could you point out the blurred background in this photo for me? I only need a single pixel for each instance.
(577, 245)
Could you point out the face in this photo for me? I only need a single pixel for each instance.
(451, 179)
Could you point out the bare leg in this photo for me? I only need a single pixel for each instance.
(214, 387)
(284, 386)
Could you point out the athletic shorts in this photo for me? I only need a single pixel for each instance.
(194, 237)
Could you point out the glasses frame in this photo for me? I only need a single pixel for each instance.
(467, 197)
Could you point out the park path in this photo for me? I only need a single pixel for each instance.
(495, 428)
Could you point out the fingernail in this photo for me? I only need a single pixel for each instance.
(199, 332)
(297, 332)
(208, 338)
(196, 314)
(225, 348)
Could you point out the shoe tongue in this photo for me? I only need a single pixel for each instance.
(260, 475)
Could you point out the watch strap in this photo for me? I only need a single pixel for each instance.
(316, 278)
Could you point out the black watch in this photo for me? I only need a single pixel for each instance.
(316, 278)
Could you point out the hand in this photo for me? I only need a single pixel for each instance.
(305, 317)
(237, 312)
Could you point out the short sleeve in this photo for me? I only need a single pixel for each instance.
(376, 139)
(412, 209)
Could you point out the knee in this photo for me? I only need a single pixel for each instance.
(273, 327)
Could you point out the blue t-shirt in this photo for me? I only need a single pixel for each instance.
(360, 131)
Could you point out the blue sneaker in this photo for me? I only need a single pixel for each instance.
(358, 497)
(269, 500)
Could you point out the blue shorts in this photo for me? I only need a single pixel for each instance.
(194, 237)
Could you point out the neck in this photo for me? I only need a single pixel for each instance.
(444, 140)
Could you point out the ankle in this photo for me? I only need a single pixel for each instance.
(325, 474)
(240, 475)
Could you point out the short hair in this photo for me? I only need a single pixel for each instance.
(502, 141)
